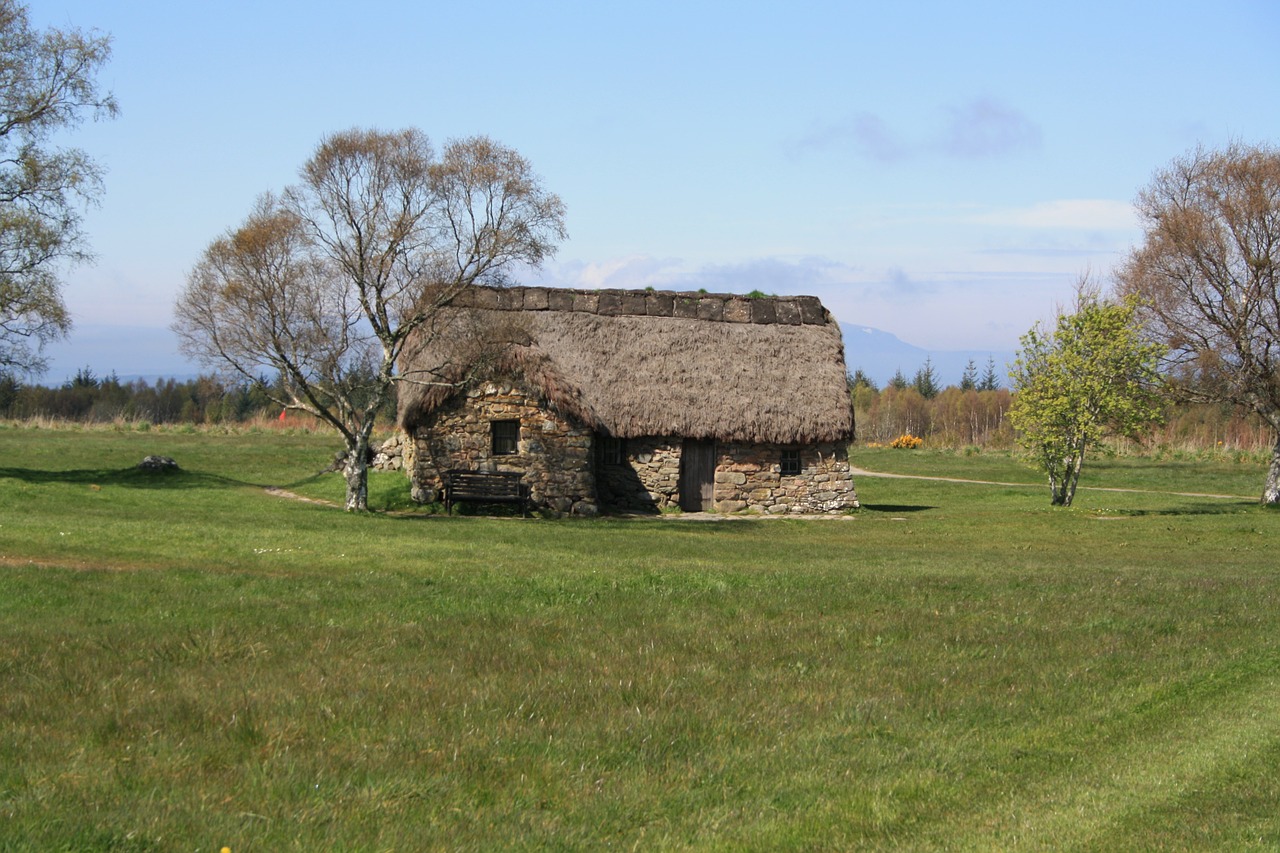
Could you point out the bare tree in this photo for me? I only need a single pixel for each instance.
(1207, 277)
(325, 284)
(46, 86)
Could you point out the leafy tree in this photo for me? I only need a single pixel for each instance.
(324, 285)
(1092, 376)
(904, 411)
(47, 85)
(862, 392)
(1207, 280)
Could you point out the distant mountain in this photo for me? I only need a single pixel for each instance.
(880, 355)
(151, 353)
(130, 352)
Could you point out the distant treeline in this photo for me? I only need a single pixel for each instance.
(975, 414)
(86, 398)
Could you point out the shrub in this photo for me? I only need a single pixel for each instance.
(906, 441)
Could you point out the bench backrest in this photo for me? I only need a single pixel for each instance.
(484, 482)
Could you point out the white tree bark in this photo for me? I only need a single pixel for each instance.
(1271, 491)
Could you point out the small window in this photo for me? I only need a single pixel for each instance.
(506, 437)
(611, 450)
(789, 464)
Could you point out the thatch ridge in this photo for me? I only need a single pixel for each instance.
(716, 307)
(759, 375)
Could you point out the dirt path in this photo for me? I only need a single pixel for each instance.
(862, 472)
(856, 472)
(276, 491)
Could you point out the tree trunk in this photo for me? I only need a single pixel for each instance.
(356, 472)
(1271, 491)
(1055, 486)
(1057, 490)
(1063, 485)
(1073, 477)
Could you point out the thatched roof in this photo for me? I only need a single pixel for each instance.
(636, 363)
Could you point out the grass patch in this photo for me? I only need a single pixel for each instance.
(188, 662)
(1225, 474)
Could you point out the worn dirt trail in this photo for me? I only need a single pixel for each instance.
(862, 472)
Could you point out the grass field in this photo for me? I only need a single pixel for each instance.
(187, 662)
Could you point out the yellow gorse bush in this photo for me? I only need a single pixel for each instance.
(906, 441)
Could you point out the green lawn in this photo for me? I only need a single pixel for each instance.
(1218, 473)
(187, 662)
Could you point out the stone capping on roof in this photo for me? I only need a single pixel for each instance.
(713, 307)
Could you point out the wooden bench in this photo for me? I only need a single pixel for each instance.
(485, 487)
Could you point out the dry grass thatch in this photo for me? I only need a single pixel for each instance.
(632, 375)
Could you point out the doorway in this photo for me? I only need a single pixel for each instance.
(697, 475)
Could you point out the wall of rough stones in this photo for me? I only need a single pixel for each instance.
(647, 481)
(554, 455)
(748, 477)
(390, 454)
(561, 465)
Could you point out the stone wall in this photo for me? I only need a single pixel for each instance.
(554, 456)
(647, 481)
(390, 454)
(748, 477)
(559, 461)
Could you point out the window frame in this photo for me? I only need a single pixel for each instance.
(502, 442)
(613, 451)
(789, 464)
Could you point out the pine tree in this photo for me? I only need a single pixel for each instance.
(859, 379)
(990, 382)
(926, 380)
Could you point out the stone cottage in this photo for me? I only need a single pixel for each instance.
(634, 401)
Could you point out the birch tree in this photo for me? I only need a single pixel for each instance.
(324, 284)
(1091, 376)
(1207, 280)
(47, 85)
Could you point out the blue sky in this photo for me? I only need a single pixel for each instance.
(940, 171)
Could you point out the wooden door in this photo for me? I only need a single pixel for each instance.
(697, 476)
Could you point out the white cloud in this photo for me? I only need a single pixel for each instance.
(631, 272)
(875, 139)
(986, 128)
(770, 274)
(867, 134)
(986, 306)
(1080, 214)
(979, 129)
